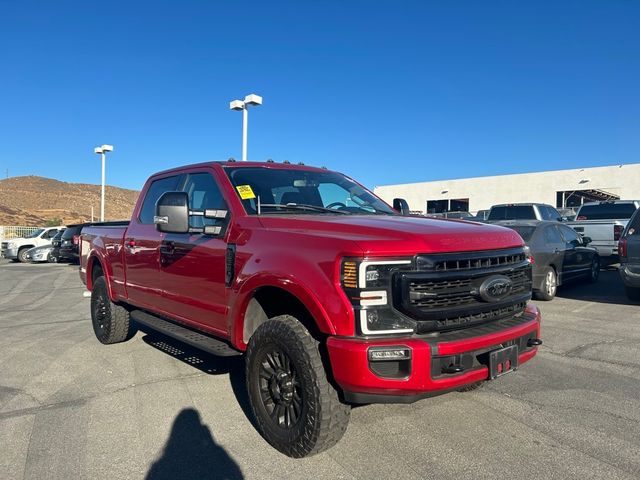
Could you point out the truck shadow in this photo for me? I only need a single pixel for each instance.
(206, 363)
(608, 289)
(192, 452)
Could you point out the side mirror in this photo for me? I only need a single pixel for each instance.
(172, 213)
(401, 206)
(586, 240)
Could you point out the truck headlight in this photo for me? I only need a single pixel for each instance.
(11, 245)
(368, 286)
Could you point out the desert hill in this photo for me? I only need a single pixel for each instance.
(32, 201)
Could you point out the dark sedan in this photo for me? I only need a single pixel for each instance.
(559, 255)
(69, 244)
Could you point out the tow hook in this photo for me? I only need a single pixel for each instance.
(534, 342)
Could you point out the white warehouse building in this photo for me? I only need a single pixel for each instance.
(559, 188)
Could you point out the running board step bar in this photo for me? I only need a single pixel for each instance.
(184, 334)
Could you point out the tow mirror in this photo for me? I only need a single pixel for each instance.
(172, 213)
(172, 216)
(401, 206)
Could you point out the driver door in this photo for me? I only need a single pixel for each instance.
(192, 265)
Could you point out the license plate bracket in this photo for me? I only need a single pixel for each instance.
(503, 361)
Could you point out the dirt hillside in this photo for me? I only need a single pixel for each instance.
(32, 201)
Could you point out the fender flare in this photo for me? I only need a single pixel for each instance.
(95, 254)
(288, 284)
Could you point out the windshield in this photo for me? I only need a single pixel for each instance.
(514, 212)
(36, 233)
(302, 192)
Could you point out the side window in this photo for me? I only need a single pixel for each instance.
(570, 235)
(156, 189)
(50, 233)
(555, 214)
(204, 194)
(552, 235)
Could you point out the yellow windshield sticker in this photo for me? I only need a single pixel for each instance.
(245, 192)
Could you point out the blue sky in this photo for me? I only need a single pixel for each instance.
(385, 91)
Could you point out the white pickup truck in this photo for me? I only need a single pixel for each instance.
(16, 248)
(604, 222)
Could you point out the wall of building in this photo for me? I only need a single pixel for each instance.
(482, 192)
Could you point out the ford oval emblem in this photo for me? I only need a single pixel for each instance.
(495, 288)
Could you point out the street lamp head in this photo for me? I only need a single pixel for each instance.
(253, 100)
(236, 105)
(98, 150)
(107, 148)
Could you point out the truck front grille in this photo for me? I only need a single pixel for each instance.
(447, 292)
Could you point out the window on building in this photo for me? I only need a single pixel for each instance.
(448, 205)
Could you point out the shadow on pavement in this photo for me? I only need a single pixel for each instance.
(192, 453)
(608, 289)
(207, 363)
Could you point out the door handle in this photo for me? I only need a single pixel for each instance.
(167, 248)
(130, 245)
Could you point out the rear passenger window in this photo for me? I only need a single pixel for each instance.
(552, 235)
(155, 191)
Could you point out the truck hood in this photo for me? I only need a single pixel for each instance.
(395, 235)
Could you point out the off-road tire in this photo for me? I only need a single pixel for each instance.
(22, 255)
(633, 293)
(111, 322)
(549, 285)
(594, 272)
(322, 419)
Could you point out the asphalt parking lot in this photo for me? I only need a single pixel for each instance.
(73, 408)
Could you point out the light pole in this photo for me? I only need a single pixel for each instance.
(102, 151)
(251, 100)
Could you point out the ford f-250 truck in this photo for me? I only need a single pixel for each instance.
(331, 295)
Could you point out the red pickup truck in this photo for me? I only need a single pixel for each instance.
(333, 297)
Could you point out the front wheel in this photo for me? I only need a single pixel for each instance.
(296, 409)
(549, 285)
(111, 322)
(22, 255)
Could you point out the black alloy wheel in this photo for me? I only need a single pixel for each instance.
(280, 389)
(296, 408)
(111, 322)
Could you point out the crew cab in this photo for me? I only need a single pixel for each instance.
(16, 248)
(332, 296)
(604, 223)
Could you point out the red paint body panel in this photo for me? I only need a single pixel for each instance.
(299, 254)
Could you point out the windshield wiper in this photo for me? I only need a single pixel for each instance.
(300, 206)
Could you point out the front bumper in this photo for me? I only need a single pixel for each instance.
(11, 253)
(630, 276)
(353, 372)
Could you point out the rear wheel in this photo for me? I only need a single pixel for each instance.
(111, 322)
(22, 255)
(549, 285)
(594, 272)
(296, 409)
(633, 293)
